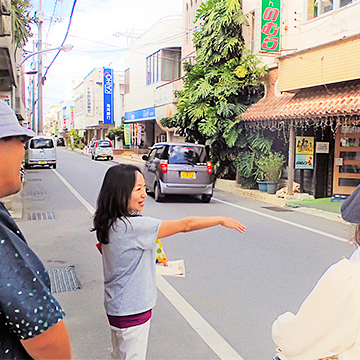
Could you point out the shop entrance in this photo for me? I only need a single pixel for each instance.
(346, 159)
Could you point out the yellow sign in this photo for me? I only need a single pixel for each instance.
(305, 145)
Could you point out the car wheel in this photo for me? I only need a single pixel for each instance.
(54, 166)
(111, 158)
(157, 193)
(92, 157)
(205, 198)
(27, 166)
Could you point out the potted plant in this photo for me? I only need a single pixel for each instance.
(270, 166)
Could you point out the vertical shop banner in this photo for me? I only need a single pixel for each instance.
(304, 156)
(270, 25)
(72, 117)
(131, 134)
(108, 87)
(139, 135)
(127, 134)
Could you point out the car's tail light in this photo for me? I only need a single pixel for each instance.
(96, 144)
(209, 167)
(163, 166)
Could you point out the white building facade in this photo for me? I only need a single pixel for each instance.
(151, 61)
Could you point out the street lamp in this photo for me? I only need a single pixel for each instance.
(65, 48)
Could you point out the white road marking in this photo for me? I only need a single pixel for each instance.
(220, 347)
(284, 221)
(75, 193)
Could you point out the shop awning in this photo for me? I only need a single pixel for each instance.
(331, 100)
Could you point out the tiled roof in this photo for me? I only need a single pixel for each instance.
(341, 99)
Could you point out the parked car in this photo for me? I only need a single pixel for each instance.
(102, 149)
(178, 168)
(60, 141)
(40, 150)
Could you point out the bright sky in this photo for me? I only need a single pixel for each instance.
(92, 30)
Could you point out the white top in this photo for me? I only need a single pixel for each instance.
(328, 320)
(129, 266)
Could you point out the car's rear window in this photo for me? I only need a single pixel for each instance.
(104, 143)
(41, 143)
(180, 154)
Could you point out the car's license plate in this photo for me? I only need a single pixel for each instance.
(42, 162)
(187, 175)
(103, 155)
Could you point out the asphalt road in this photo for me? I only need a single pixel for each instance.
(235, 285)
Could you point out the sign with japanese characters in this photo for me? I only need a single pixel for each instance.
(108, 96)
(72, 117)
(89, 101)
(127, 134)
(270, 25)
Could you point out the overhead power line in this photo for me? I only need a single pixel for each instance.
(63, 42)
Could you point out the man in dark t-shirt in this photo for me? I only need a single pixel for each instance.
(31, 319)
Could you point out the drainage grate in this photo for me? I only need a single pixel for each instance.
(32, 179)
(63, 279)
(36, 193)
(41, 216)
(276, 208)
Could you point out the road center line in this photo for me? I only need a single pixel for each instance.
(220, 347)
(284, 221)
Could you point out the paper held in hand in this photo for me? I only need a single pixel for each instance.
(174, 268)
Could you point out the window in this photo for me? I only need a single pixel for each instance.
(180, 154)
(164, 65)
(103, 143)
(171, 59)
(127, 81)
(41, 143)
(319, 7)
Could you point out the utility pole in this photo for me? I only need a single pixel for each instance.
(40, 84)
(32, 97)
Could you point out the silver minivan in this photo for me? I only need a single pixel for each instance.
(178, 168)
(40, 150)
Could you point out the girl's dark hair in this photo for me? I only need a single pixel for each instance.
(113, 199)
(356, 237)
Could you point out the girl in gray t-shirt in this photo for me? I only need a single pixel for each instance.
(128, 247)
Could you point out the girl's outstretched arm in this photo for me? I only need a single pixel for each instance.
(171, 227)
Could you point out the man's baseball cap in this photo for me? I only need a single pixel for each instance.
(9, 124)
(350, 209)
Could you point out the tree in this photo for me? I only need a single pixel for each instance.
(21, 21)
(116, 133)
(222, 83)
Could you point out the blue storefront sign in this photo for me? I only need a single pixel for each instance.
(140, 115)
(108, 88)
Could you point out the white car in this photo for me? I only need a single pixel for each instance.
(102, 149)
